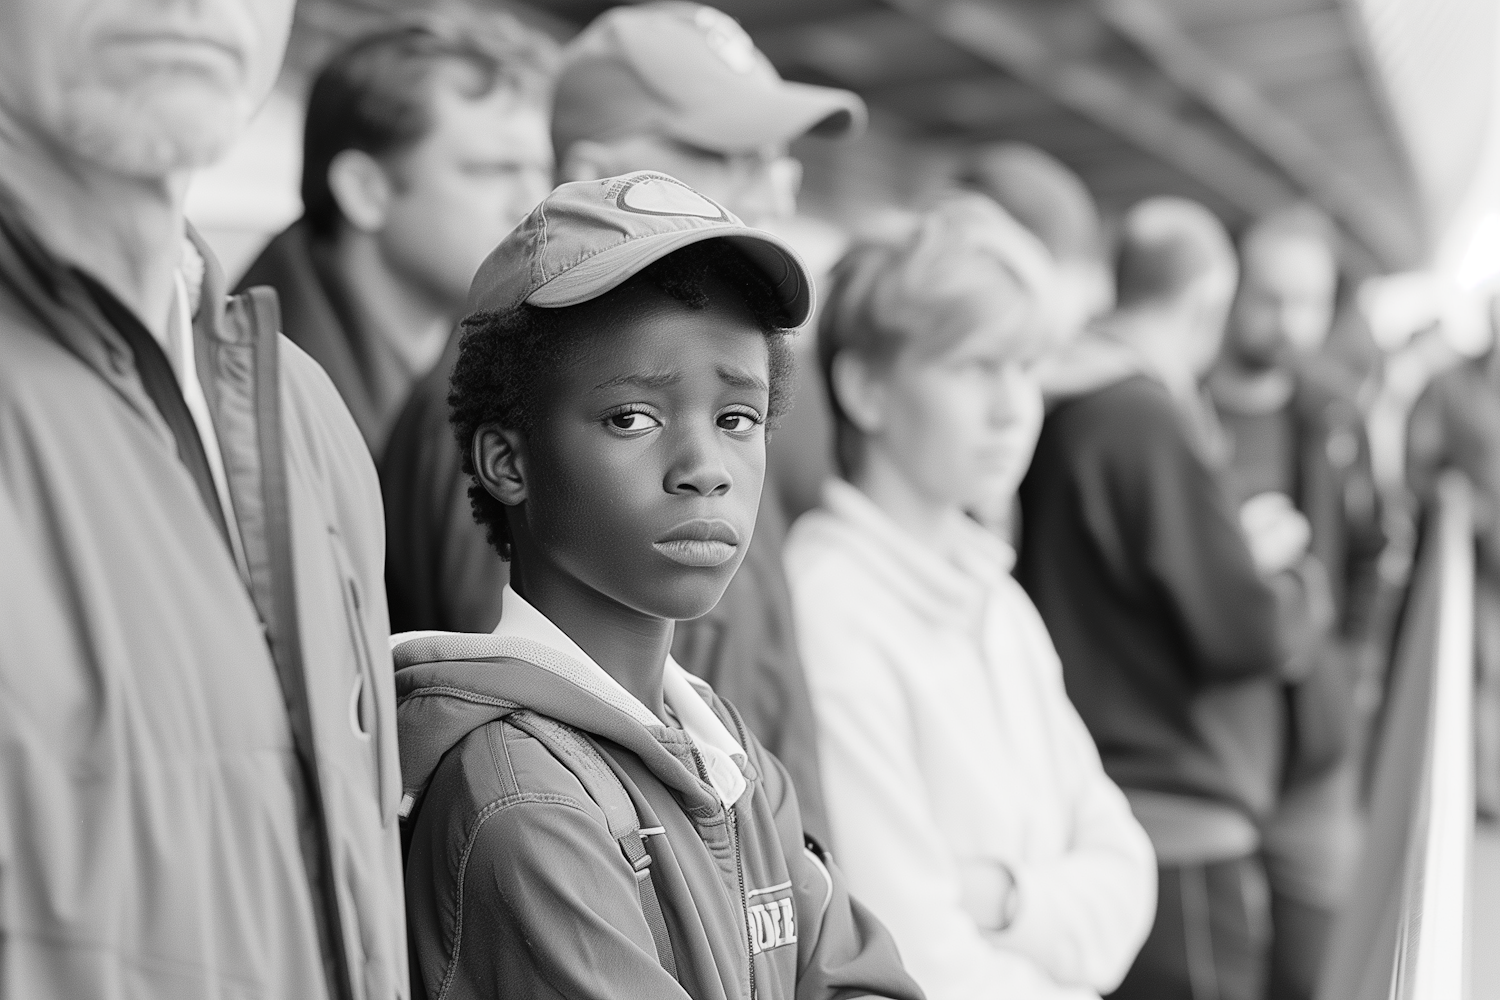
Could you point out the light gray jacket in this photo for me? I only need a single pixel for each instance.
(185, 814)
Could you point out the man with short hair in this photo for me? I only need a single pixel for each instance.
(424, 145)
(200, 774)
(1171, 641)
(678, 88)
(1294, 431)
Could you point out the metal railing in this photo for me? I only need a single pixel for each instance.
(1404, 934)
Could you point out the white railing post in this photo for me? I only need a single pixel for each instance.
(1437, 911)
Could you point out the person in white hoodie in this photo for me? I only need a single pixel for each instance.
(967, 801)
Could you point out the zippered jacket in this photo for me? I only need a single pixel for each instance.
(199, 770)
(516, 887)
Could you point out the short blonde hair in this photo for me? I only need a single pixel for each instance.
(923, 290)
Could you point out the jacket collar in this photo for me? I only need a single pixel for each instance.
(951, 582)
(519, 619)
(51, 291)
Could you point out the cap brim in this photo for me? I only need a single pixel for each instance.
(761, 117)
(610, 268)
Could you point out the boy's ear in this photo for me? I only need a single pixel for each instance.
(500, 463)
(859, 391)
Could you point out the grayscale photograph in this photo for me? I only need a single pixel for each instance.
(749, 500)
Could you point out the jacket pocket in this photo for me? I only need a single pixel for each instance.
(363, 715)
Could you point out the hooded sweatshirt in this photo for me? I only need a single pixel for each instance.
(949, 747)
(515, 885)
(442, 573)
(1168, 637)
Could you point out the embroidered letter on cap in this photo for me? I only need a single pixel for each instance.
(654, 194)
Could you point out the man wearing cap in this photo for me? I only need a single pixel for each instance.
(680, 88)
(200, 777)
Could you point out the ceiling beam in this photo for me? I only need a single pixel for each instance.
(1240, 106)
(1010, 41)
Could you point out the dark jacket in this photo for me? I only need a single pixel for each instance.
(517, 887)
(442, 574)
(372, 381)
(1333, 484)
(186, 813)
(1167, 635)
(1336, 491)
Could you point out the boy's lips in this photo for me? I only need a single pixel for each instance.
(702, 543)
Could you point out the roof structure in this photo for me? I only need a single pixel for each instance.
(1241, 104)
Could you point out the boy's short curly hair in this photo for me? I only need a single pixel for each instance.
(504, 358)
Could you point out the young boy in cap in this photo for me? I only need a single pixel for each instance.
(678, 88)
(584, 819)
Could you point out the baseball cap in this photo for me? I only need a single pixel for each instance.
(691, 73)
(589, 237)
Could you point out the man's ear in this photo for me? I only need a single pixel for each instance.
(362, 189)
(500, 463)
(860, 393)
(585, 160)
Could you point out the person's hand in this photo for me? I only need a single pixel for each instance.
(990, 893)
(1276, 531)
(1306, 610)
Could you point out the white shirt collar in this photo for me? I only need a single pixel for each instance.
(953, 577)
(716, 744)
(178, 345)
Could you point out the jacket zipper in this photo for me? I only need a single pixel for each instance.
(734, 827)
(739, 868)
(739, 865)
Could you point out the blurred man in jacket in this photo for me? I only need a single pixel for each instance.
(1171, 641)
(424, 145)
(1294, 431)
(200, 768)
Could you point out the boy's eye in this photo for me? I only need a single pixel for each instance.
(632, 421)
(739, 423)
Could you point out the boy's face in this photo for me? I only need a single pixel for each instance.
(643, 473)
(962, 426)
(958, 414)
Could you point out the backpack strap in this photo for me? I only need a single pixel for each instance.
(604, 785)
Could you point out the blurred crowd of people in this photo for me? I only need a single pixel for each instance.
(1062, 622)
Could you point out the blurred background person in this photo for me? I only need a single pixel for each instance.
(1051, 201)
(197, 726)
(1295, 434)
(680, 88)
(1455, 424)
(968, 804)
(424, 145)
(1168, 635)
